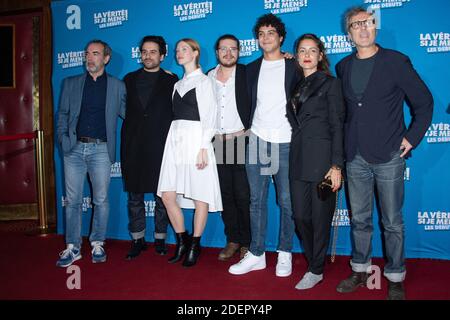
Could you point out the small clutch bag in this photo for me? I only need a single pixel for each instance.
(324, 189)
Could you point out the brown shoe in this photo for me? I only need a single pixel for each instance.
(242, 252)
(230, 249)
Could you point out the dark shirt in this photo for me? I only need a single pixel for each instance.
(361, 72)
(185, 107)
(145, 83)
(91, 122)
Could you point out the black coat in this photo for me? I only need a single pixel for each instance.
(375, 125)
(241, 92)
(144, 132)
(317, 127)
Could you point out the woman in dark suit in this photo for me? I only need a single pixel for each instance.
(316, 113)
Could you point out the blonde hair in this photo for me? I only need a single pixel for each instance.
(194, 46)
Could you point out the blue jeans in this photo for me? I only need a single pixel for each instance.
(388, 179)
(91, 158)
(264, 159)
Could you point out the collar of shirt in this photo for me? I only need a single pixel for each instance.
(101, 78)
(216, 69)
(193, 73)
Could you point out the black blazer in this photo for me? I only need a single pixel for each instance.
(317, 127)
(291, 77)
(241, 94)
(375, 124)
(242, 98)
(144, 132)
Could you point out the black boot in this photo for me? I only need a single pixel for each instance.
(137, 245)
(160, 246)
(181, 248)
(396, 291)
(193, 253)
(356, 280)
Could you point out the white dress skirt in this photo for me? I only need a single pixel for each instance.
(179, 172)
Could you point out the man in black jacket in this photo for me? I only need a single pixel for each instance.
(144, 132)
(270, 80)
(230, 89)
(376, 82)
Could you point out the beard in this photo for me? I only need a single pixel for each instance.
(228, 64)
(92, 67)
(150, 64)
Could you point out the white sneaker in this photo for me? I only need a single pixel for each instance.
(309, 280)
(284, 264)
(248, 263)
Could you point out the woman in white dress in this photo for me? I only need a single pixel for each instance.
(188, 177)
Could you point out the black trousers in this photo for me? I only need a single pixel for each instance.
(313, 219)
(136, 215)
(234, 189)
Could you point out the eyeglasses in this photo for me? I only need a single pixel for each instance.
(224, 50)
(368, 23)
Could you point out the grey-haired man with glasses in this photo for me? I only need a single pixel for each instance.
(376, 81)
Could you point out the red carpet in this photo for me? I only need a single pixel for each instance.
(28, 271)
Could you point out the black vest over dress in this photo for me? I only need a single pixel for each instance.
(186, 107)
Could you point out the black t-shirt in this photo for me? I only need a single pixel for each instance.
(145, 84)
(360, 75)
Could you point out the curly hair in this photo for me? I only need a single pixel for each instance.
(270, 20)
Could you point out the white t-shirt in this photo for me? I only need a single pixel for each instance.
(269, 121)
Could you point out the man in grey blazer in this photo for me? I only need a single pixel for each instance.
(89, 107)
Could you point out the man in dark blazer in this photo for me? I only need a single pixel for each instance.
(86, 131)
(230, 89)
(376, 82)
(270, 81)
(144, 132)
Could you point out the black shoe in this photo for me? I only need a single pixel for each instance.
(160, 246)
(183, 243)
(396, 291)
(356, 280)
(137, 246)
(193, 253)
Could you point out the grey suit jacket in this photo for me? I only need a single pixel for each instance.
(69, 111)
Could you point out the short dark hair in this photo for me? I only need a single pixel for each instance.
(324, 64)
(270, 20)
(156, 39)
(107, 51)
(227, 36)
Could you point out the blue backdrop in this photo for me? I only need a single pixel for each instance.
(418, 28)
